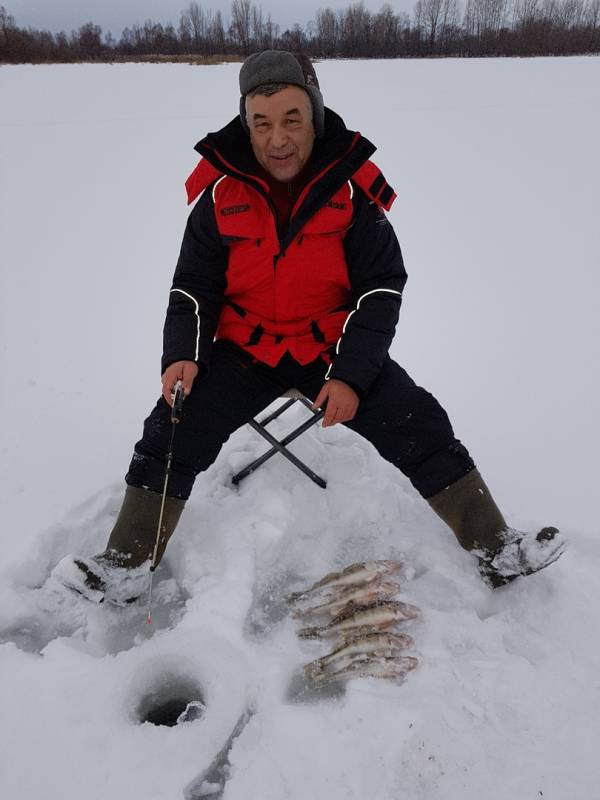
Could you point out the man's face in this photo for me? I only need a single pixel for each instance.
(281, 131)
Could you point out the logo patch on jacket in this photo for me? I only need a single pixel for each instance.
(337, 206)
(229, 210)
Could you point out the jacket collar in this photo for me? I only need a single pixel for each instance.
(336, 157)
(229, 149)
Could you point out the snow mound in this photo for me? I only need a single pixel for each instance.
(490, 689)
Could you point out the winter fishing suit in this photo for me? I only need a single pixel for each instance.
(268, 296)
(285, 285)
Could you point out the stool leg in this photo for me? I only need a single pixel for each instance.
(279, 447)
(276, 413)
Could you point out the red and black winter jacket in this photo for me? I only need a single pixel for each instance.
(328, 283)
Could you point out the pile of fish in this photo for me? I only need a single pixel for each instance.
(355, 608)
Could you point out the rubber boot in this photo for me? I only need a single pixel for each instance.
(120, 573)
(133, 538)
(503, 553)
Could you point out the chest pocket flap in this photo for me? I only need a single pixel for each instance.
(240, 211)
(335, 216)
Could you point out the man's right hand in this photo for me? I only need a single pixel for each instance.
(184, 371)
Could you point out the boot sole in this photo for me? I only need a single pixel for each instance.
(97, 601)
(497, 580)
(101, 587)
(87, 595)
(554, 556)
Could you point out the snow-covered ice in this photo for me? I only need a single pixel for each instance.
(495, 163)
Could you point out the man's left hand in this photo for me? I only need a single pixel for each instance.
(342, 402)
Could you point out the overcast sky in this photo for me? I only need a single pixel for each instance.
(114, 15)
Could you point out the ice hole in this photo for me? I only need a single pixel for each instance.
(175, 701)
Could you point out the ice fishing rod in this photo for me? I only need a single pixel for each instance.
(177, 396)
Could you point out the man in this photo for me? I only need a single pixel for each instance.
(290, 276)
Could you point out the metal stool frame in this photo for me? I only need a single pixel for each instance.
(281, 446)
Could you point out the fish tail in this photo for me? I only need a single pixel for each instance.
(310, 633)
(314, 669)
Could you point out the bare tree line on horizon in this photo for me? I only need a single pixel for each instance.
(436, 28)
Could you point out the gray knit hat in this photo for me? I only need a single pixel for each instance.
(281, 66)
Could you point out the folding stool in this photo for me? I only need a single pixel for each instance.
(281, 446)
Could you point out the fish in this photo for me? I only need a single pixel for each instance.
(392, 668)
(371, 644)
(358, 620)
(355, 574)
(359, 595)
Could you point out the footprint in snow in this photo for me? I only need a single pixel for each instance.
(51, 611)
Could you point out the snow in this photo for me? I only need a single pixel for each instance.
(495, 163)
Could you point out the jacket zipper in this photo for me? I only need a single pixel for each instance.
(254, 184)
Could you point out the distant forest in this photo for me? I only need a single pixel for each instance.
(435, 28)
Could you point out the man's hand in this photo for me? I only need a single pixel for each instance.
(185, 371)
(342, 402)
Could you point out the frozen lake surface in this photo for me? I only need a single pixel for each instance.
(496, 167)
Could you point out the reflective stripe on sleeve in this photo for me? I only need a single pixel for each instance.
(360, 299)
(196, 309)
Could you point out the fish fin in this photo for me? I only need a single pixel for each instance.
(331, 576)
(294, 597)
(353, 568)
(350, 607)
(397, 587)
(353, 607)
